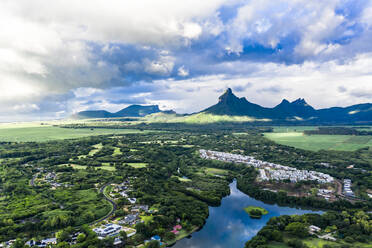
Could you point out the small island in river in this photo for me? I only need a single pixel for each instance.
(255, 212)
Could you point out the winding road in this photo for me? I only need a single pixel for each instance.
(107, 198)
(32, 182)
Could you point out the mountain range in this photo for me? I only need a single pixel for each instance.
(130, 111)
(298, 111)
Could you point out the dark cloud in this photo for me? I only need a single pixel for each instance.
(243, 87)
(275, 89)
(342, 89)
(361, 93)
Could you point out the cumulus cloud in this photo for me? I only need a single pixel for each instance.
(182, 71)
(57, 58)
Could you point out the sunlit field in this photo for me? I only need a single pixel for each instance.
(321, 142)
(39, 133)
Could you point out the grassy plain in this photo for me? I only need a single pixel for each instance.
(39, 133)
(137, 165)
(83, 167)
(117, 151)
(96, 149)
(215, 171)
(318, 142)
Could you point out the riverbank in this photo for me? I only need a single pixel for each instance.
(183, 234)
(228, 225)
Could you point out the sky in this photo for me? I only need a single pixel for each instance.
(65, 56)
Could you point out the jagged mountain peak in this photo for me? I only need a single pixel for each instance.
(300, 101)
(227, 95)
(284, 102)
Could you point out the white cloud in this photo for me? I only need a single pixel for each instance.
(163, 66)
(85, 92)
(182, 71)
(25, 107)
(318, 83)
(62, 49)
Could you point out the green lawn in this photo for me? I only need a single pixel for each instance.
(318, 142)
(215, 171)
(318, 243)
(117, 151)
(108, 168)
(38, 133)
(83, 167)
(137, 165)
(147, 218)
(182, 179)
(182, 234)
(96, 149)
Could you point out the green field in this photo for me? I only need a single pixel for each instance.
(117, 151)
(146, 219)
(182, 179)
(286, 129)
(39, 133)
(83, 167)
(137, 165)
(319, 243)
(199, 118)
(216, 171)
(96, 149)
(320, 142)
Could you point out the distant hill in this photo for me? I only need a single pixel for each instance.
(298, 110)
(130, 111)
(231, 108)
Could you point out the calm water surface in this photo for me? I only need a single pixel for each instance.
(230, 226)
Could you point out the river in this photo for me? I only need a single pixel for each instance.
(230, 226)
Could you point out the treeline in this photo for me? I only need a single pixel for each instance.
(183, 127)
(337, 131)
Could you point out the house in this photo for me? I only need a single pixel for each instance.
(314, 229)
(117, 241)
(130, 219)
(156, 238)
(176, 229)
(108, 230)
(42, 243)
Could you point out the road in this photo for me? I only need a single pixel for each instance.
(345, 197)
(32, 182)
(107, 198)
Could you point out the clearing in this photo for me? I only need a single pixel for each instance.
(320, 142)
(137, 165)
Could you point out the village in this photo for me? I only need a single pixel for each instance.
(268, 170)
(110, 226)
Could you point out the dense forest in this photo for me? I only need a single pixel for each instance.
(55, 186)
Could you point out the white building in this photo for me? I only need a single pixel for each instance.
(108, 230)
